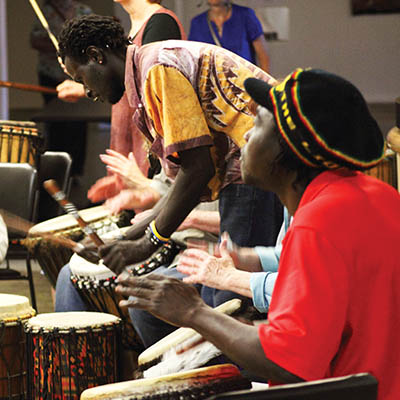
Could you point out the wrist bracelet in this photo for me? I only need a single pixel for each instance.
(153, 228)
(152, 238)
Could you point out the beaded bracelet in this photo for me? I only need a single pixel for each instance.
(154, 236)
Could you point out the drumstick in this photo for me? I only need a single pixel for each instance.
(16, 223)
(44, 22)
(63, 241)
(28, 87)
(58, 195)
(21, 225)
(46, 26)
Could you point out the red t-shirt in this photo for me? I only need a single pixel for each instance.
(335, 308)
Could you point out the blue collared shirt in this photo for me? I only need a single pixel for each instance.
(262, 283)
(238, 34)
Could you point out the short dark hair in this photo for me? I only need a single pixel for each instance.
(90, 30)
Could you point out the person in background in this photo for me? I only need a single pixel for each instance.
(3, 239)
(233, 27)
(149, 22)
(69, 136)
(313, 137)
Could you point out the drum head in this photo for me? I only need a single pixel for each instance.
(13, 307)
(67, 221)
(73, 319)
(172, 385)
(25, 124)
(81, 267)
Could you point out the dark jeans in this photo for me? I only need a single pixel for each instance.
(251, 217)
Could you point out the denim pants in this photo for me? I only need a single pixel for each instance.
(67, 297)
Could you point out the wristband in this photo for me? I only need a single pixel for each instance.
(154, 237)
(153, 228)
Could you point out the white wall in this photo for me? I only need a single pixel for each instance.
(324, 34)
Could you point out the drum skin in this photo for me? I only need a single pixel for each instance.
(52, 256)
(196, 384)
(385, 170)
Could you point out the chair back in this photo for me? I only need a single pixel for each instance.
(18, 189)
(362, 386)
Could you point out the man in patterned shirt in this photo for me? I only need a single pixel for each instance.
(192, 108)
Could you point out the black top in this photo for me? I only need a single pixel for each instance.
(161, 27)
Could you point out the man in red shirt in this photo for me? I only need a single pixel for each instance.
(335, 304)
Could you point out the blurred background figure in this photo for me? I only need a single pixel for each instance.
(150, 22)
(69, 136)
(3, 240)
(233, 27)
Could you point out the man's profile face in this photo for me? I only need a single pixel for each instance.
(98, 79)
(260, 151)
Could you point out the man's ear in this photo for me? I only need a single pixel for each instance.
(95, 54)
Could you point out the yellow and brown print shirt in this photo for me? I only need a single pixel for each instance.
(190, 94)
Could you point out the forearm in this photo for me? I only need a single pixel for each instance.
(248, 260)
(239, 282)
(263, 61)
(194, 174)
(207, 221)
(138, 229)
(260, 47)
(239, 342)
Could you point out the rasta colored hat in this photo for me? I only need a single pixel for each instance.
(323, 118)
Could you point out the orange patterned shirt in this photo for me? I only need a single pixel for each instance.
(191, 94)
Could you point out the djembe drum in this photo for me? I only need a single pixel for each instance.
(14, 311)
(196, 384)
(51, 255)
(385, 170)
(70, 352)
(182, 350)
(20, 142)
(96, 286)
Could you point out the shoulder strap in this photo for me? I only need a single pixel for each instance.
(214, 36)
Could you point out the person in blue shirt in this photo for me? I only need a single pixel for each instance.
(233, 27)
